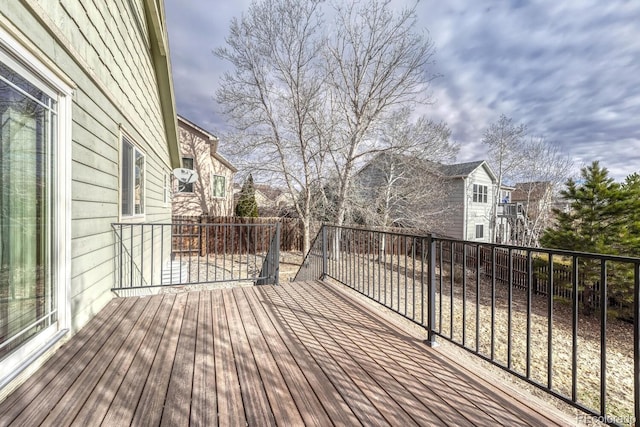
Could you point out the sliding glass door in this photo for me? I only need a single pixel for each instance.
(28, 115)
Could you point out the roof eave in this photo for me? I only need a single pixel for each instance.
(154, 11)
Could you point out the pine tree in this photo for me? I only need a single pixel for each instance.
(600, 221)
(247, 205)
(595, 221)
(631, 222)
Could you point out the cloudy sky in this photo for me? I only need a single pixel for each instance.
(569, 70)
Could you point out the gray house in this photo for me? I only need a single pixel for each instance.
(450, 200)
(88, 138)
(470, 192)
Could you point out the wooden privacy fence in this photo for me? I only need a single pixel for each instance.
(518, 266)
(189, 236)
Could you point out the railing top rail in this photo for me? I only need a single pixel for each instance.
(269, 224)
(561, 252)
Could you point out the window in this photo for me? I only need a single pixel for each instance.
(480, 193)
(187, 163)
(35, 108)
(218, 185)
(133, 179)
(479, 231)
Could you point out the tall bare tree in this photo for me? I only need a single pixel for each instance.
(403, 186)
(273, 97)
(543, 170)
(376, 62)
(505, 141)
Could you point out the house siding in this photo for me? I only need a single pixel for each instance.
(104, 50)
(477, 212)
(453, 217)
(195, 145)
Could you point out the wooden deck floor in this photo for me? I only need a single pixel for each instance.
(296, 354)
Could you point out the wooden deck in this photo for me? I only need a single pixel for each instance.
(297, 354)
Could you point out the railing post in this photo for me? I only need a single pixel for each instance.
(431, 291)
(325, 257)
(277, 254)
(636, 343)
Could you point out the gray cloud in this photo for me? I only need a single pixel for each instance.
(569, 70)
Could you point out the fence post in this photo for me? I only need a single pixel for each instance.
(431, 290)
(324, 252)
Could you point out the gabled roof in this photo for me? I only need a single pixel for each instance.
(458, 170)
(206, 135)
(530, 191)
(463, 170)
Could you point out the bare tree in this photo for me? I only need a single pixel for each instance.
(403, 186)
(505, 143)
(375, 63)
(543, 171)
(273, 97)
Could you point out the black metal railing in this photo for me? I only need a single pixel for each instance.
(565, 322)
(149, 255)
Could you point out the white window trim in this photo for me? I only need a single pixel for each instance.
(34, 70)
(478, 191)
(475, 235)
(177, 191)
(134, 217)
(213, 187)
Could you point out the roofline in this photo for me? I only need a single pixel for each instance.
(212, 139)
(154, 12)
(204, 133)
(225, 162)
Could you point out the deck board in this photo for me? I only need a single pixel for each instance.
(204, 405)
(229, 395)
(297, 354)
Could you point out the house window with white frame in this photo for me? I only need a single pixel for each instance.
(132, 185)
(218, 186)
(480, 193)
(187, 163)
(35, 108)
(479, 231)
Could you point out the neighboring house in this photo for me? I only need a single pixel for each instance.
(469, 196)
(88, 138)
(452, 200)
(273, 201)
(212, 193)
(536, 200)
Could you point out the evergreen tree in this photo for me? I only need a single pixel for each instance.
(631, 222)
(247, 205)
(603, 219)
(595, 221)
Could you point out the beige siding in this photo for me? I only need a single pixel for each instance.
(103, 48)
(193, 144)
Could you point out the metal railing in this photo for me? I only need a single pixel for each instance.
(150, 255)
(501, 303)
